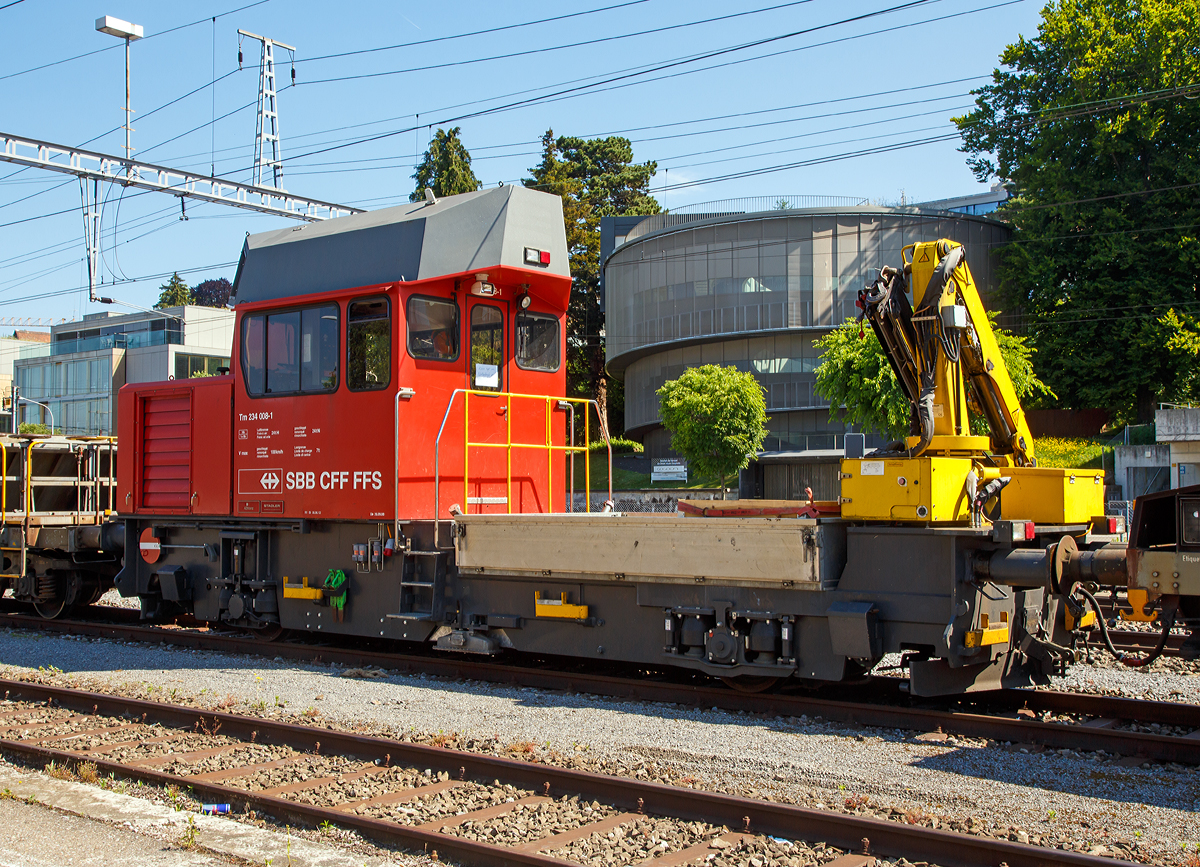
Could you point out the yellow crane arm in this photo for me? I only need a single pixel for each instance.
(944, 350)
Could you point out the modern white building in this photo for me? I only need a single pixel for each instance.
(76, 376)
(1179, 428)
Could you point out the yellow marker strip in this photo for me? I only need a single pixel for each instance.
(1138, 600)
(987, 634)
(560, 608)
(301, 591)
(1088, 619)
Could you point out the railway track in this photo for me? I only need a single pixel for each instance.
(470, 808)
(1023, 718)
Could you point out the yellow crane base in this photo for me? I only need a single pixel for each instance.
(933, 490)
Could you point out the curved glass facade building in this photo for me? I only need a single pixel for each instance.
(755, 290)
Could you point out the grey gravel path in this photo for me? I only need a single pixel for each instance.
(34, 836)
(1086, 802)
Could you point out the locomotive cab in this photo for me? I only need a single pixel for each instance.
(387, 368)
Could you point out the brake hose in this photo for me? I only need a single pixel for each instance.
(1168, 622)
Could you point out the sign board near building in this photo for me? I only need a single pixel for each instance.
(668, 470)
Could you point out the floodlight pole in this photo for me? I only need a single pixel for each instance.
(128, 111)
(128, 32)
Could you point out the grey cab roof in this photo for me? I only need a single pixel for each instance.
(415, 241)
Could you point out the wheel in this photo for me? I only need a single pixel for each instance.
(52, 609)
(271, 632)
(750, 683)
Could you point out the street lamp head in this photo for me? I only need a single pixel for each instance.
(117, 27)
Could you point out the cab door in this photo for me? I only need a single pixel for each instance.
(489, 413)
(429, 407)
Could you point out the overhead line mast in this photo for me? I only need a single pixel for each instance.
(267, 132)
(95, 167)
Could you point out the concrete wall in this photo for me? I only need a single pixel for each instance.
(1177, 425)
(1142, 469)
(147, 363)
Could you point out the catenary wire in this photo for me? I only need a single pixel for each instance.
(545, 49)
(488, 31)
(116, 45)
(654, 68)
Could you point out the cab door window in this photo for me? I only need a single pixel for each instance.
(369, 344)
(537, 341)
(487, 348)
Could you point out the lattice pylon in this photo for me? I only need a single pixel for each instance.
(267, 155)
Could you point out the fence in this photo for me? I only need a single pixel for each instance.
(660, 502)
(1121, 508)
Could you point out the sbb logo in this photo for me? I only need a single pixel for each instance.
(301, 481)
(334, 480)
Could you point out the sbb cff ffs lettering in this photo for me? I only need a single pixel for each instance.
(335, 480)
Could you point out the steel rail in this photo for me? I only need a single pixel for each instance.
(978, 720)
(892, 839)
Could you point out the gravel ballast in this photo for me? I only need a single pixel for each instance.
(1084, 802)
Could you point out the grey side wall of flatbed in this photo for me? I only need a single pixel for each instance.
(817, 609)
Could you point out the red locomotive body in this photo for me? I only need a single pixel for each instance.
(340, 385)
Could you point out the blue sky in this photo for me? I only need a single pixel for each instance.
(704, 98)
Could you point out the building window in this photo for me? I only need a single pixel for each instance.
(432, 328)
(369, 344)
(290, 352)
(194, 366)
(487, 347)
(537, 342)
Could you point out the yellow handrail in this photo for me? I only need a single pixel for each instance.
(29, 505)
(550, 402)
(508, 445)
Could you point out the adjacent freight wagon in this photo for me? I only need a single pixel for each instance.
(390, 456)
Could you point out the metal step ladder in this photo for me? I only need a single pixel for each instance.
(422, 595)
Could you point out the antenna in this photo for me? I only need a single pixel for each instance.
(267, 131)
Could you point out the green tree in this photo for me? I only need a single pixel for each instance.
(595, 178)
(174, 293)
(717, 418)
(1092, 126)
(861, 387)
(446, 167)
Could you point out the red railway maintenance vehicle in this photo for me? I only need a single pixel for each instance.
(390, 454)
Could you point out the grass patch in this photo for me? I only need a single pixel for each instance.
(620, 446)
(1081, 453)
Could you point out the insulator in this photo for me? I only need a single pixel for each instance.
(293, 75)
(239, 58)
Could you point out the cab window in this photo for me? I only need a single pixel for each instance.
(291, 351)
(368, 344)
(487, 347)
(432, 328)
(536, 341)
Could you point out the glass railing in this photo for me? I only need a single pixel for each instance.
(130, 340)
(734, 207)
